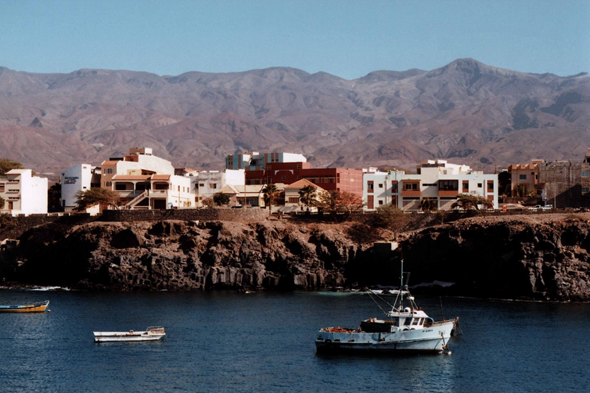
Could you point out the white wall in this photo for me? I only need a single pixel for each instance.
(74, 179)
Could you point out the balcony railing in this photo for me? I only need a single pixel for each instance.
(411, 193)
(448, 193)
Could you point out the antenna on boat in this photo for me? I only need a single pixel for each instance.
(441, 308)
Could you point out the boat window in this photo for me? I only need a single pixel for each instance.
(415, 321)
(407, 321)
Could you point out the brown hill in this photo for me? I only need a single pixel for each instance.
(466, 112)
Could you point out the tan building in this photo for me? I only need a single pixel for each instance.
(293, 199)
(524, 178)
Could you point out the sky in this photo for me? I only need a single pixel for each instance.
(345, 38)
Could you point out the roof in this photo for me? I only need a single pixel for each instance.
(131, 177)
(17, 171)
(301, 184)
(108, 163)
(160, 177)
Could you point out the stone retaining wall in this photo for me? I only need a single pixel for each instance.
(251, 214)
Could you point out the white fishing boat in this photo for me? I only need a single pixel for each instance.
(152, 333)
(405, 328)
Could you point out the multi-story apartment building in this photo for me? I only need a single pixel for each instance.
(435, 180)
(145, 181)
(524, 178)
(23, 193)
(330, 179)
(78, 178)
(254, 161)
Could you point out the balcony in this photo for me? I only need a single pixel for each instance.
(411, 193)
(448, 193)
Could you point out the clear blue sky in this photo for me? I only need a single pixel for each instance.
(345, 38)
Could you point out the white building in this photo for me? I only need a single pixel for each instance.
(23, 193)
(78, 178)
(144, 181)
(435, 180)
(254, 161)
(208, 183)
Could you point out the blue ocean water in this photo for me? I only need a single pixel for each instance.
(264, 342)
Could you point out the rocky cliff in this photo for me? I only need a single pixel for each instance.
(485, 257)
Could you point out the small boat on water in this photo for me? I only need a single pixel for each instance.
(152, 333)
(405, 328)
(35, 307)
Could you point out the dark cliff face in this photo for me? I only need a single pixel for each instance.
(506, 259)
(178, 255)
(510, 260)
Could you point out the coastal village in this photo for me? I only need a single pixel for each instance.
(143, 181)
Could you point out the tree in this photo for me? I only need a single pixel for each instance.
(7, 164)
(208, 202)
(327, 201)
(307, 195)
(95, 196)
(339, 202)
(390, 217)
(349, 203)
(428, 204)
(270, 192)
(54, 198)
(221, 199)
(467, 202)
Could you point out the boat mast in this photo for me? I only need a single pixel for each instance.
(401, 285)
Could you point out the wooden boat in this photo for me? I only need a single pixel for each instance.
(35, 307)
(152, 333)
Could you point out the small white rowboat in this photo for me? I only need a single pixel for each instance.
(152, 333)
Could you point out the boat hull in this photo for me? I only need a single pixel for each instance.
(130, 336)
(31, 308)
(432, 339)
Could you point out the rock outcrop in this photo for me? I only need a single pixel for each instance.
(183, 255)
(486, 258)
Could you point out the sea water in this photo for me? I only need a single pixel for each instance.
(226, 341)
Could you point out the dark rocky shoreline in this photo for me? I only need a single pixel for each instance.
(504, 259)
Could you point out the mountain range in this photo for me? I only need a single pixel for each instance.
(465, 112)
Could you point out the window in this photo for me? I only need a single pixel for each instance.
(213, 186)
(381, 201)
(448, 185)
(429, 184)
(284, 178)
(293, 200)
(298, 166)
(201, 184)
(370, 185)
(522, 177)
(394, 187)
(120, 187)
(478, 185)
(108, 184)
(411, 186)
(108, 170)
(490, 186)
(585, 174)
(465, 186)
(380, 185)
(585, 190)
